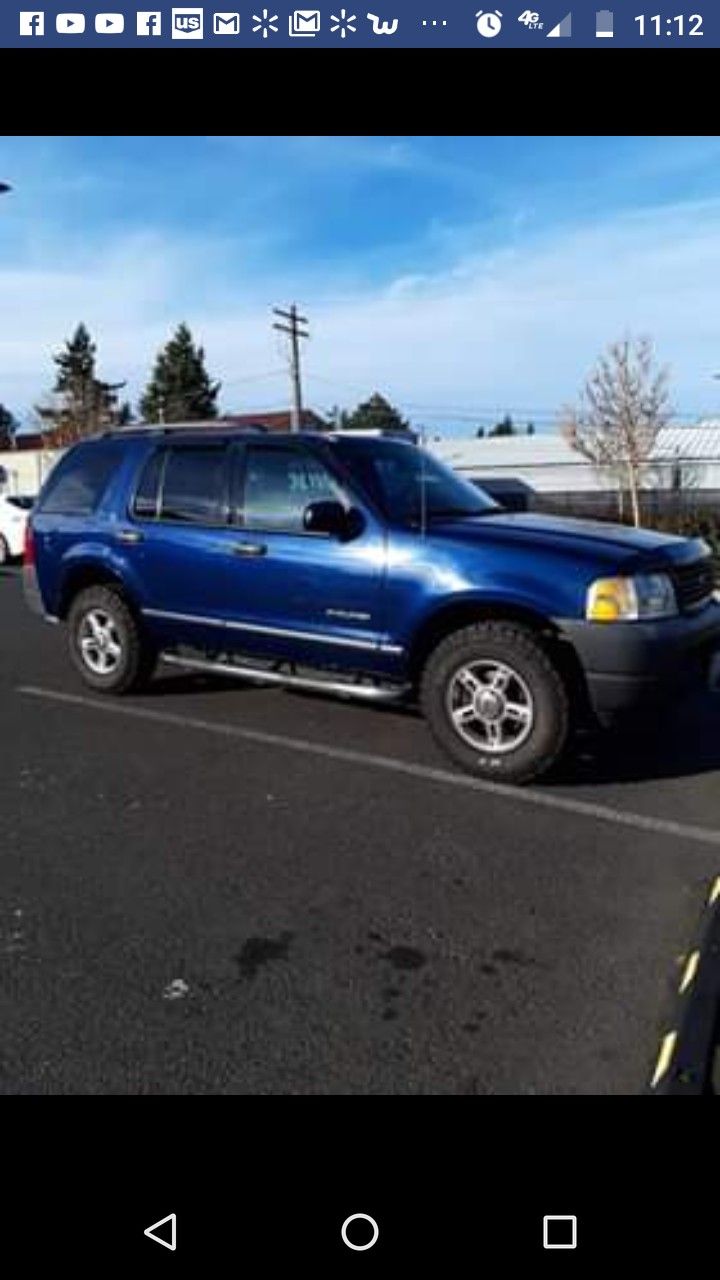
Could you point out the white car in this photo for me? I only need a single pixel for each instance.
(14, 511)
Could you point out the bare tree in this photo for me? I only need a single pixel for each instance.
(623, 405)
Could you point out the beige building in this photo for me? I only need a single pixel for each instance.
(23, 470)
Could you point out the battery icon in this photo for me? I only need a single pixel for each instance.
(604, 25)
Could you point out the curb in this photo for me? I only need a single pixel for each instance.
(688, 1048)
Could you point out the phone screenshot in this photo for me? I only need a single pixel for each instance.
(359, 675)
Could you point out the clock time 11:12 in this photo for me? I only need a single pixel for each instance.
(677, 26)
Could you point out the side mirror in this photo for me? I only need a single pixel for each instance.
(331, 518)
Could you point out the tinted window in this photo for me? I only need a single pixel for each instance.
(79, 481)
(279, 484)
(146, 495)
(194, 486)
(24, 504)
(410, 484)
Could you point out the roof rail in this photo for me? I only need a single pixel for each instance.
(167, 428)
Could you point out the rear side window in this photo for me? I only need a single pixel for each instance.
(77, 485)
(194, 486)
(147, 493)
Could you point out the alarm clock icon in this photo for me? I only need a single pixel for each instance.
(488, 24)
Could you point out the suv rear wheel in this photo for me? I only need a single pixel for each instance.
(106, 644)
(495, 702)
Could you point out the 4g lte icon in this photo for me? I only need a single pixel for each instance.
(531, 20)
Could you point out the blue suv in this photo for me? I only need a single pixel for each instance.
(364, 567)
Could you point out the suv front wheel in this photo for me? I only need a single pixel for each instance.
(495, 702)
(106, 645)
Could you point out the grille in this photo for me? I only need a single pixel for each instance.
(694, 583)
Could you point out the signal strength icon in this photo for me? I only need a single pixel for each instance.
(563, 30)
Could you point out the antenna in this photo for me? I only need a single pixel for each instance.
(423, 492)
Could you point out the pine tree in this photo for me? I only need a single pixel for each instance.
(504, 427)
(376, 414)
(82, 404)
(180, 389)
(8, 427)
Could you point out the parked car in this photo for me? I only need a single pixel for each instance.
(364, 567)
(13, 518)
(510, 493)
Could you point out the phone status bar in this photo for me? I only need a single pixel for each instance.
(398, 23)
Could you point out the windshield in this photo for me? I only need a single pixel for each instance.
(403, 479)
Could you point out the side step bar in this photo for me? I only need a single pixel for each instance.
(367, 692)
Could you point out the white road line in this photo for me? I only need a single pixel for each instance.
(518, 795)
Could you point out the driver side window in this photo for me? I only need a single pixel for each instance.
(279, 484)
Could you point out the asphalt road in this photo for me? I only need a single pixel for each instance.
(215, 888)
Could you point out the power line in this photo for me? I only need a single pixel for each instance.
(258, 377)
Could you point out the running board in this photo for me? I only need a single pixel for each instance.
(368, 692)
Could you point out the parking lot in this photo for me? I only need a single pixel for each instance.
(218, 888)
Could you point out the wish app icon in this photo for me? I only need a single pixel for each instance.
(226, 24)
(305, 22)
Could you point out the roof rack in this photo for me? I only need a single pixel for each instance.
(168, 428)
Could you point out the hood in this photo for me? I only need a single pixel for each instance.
(619, 543)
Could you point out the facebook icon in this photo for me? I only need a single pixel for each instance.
(32, 24)
(149, 24)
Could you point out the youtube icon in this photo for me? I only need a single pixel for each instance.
(70, 24)
(109, 24)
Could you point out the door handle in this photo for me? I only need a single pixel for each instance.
(129, 537)
(249, 549)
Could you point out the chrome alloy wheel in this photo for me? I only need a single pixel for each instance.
(99, 642)
(490, 706)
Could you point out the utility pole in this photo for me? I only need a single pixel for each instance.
(293, 329)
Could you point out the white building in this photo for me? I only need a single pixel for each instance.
(684, 458)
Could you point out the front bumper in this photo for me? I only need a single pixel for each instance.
(630, 665)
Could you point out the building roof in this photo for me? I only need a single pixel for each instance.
(701, 441)
(548, 463)
(278, 421)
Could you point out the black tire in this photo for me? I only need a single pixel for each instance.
(546, 720)
(135, 661)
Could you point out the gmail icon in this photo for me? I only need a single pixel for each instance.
(305, 22)
(226, 24)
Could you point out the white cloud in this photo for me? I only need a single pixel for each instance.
(514, 329)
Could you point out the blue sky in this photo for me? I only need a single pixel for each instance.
(464, 277)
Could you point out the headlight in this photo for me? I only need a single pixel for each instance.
(647, 595)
